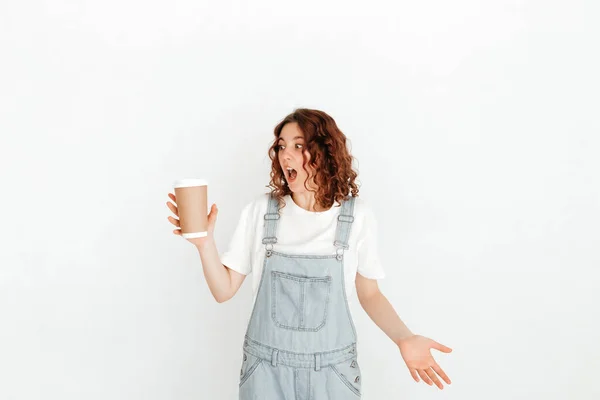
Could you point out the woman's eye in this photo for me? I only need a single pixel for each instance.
(281, 147)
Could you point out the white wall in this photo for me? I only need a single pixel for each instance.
(475, 127)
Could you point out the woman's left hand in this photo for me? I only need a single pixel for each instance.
(416, 353)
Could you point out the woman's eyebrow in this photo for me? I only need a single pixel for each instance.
(297, 137)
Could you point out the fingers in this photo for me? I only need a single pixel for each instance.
(441, 373)
(428, 375)
(414, 374)
(425, 377)
(434, 377)
(173, 208)
(441, 347)
(173, 221)
(212, 216)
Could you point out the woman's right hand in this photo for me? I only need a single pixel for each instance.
(212, 219)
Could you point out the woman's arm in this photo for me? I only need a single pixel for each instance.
(415, 349)
(379, 309)
(223, 282)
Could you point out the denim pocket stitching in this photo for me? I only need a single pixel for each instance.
(345, 381)
(301, 278)
(301, 281)
(250, 371)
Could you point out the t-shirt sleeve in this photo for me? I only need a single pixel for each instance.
(369, 264)
(238, 255)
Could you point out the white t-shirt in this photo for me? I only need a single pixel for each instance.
(300, 231)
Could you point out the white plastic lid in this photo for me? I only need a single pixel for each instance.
(190, 182)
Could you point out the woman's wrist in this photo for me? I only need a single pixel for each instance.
(205, 242)
(403, 336)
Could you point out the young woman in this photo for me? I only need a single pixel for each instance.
(308, 243)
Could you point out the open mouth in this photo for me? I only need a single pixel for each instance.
(291, 174)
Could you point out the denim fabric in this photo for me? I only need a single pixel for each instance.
(301, 342)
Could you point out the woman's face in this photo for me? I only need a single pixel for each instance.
(291, 148)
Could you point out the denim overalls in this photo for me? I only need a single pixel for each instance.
(301, 343)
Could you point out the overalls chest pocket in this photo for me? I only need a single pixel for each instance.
(298, 302)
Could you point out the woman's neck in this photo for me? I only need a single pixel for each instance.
(306, 200)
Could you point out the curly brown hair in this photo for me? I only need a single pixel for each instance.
(330, 158)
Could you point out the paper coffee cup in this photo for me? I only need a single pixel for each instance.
(192, 205)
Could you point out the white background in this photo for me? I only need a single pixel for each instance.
(475, 128)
